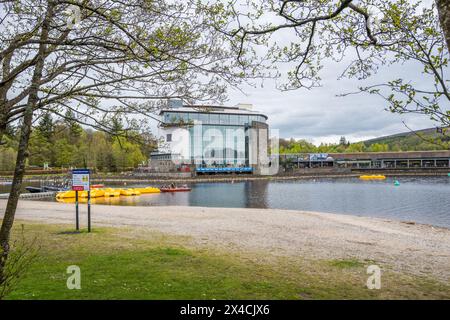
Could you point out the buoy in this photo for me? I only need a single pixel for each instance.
(372, 177)
(396, 183)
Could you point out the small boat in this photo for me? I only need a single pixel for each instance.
(44, 189)
(33, 189)
(97, 186)
(175, 189)
(53, 188)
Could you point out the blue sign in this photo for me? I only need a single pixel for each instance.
(81, 179)
(224, 170)
(318, 156)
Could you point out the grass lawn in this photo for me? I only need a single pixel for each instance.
(121, 263)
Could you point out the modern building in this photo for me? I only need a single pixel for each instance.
(212, 139)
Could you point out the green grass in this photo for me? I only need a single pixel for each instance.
(346, 263)
(139, 264)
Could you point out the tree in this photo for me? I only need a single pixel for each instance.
(75, 129)
(7, 156)
(379, 147)
(45, 126)
(373, 32)
(105, 59)
(41, 149)
(126, 154)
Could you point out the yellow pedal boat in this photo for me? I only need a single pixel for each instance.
(66, 194)
(129, 192)
(148, 190)
(110, 192)
(95, 193)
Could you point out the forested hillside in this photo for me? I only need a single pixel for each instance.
(64, 143)
(428, 139)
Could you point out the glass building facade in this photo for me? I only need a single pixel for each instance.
(212, 118)
(217, 139)
(218, 145)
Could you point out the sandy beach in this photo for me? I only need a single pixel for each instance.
(401, 246)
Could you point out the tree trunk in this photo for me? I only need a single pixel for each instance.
(16, 186)
(443, 7)
(2, 131)
(6, 66)
(22, 152)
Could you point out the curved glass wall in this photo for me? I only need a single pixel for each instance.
(211, 118)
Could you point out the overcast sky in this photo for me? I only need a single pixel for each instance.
(318, 115)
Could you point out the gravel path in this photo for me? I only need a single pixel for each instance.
(414, 248)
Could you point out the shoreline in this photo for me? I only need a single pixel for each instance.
(236, 178)
(404, 247)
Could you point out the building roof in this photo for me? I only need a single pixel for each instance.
(392, 155)
(214, 109)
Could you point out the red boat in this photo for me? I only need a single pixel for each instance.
(175, 189)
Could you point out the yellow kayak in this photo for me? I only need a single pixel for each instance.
(148, 190)
(372, 177)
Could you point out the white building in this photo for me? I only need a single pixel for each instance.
(213, 138)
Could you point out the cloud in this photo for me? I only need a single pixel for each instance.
(319, 115)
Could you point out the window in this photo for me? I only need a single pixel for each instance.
(224, 119)
(169, 137)
(234, 119)
(167, 117)
(243, 120)
(204, 118)
(184, 117)
(214, 118)
(193, 116)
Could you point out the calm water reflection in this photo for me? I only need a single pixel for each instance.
(424, 200)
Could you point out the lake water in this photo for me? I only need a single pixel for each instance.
(419, 199)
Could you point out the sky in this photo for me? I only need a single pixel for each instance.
(319, 115)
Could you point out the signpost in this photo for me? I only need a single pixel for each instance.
(81, 182)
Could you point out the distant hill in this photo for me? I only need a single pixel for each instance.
(425, 139)
(420, 140)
